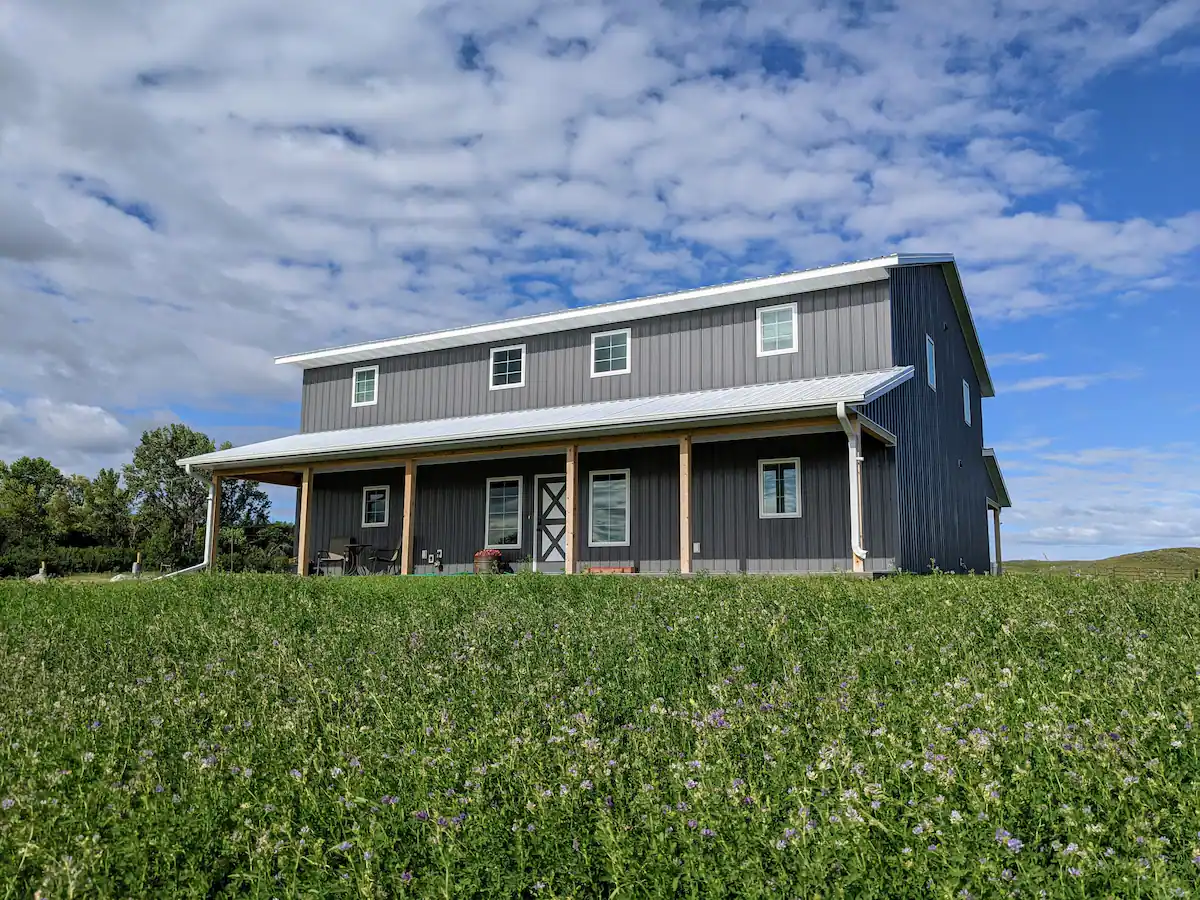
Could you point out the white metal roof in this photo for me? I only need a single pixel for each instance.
(620, 311)
(754, 402)
(996, 477)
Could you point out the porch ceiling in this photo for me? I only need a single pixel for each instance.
(725, 406)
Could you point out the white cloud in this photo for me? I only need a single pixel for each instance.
(1066, 382)
(1016, 358)
(196, 187)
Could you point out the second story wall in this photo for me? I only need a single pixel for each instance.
(839, 330)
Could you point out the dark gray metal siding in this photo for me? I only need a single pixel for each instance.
(734, 538)
(881, 525)
(337, 508)
(653, 505)
(939, 458)
(840, 330)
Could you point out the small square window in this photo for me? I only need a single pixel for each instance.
(779, 488)
(777, 330)
(966, 402)
(366, 382)
(610, 353)
(930, 362)
(508, 367)
(503, 513)
(375, 506)
(608, 509)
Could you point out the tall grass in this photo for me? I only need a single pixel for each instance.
(554, 737)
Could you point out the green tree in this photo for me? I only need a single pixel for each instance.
(105, 515)
(64, 512)
(171, 505)
(26, 490)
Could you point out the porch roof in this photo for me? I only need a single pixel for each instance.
(996, 478)
(751, 403)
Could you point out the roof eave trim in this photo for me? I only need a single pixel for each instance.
(1004, 500)
(967, 322)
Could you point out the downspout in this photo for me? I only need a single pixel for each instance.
(852, 441)
(208, 522)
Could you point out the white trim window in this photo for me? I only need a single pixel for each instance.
(364, 385)
(777, 329)
(779, 488)
(930, 362)
(504, 508)
(966, 402)
(610, 353)
(376, 502)
(507, 367)
(608, 508)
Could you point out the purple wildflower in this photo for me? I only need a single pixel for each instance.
(442, 821)
(344, 846)
(707, 832)
(691, 784)
(406, 877)
(1015, 845)
(586, 784)
(421, 815)
(1074, 871)
(692, 823)
(295, 773)
(7, 803)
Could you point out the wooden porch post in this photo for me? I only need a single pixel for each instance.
(410, 507)
(685, 504)
(215, 517)
(303, 527)
(996, 528)
(569, 500)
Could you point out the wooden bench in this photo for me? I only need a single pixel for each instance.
(611, 570)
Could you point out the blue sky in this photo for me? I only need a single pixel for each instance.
(187, 190)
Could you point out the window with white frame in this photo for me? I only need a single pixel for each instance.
(610, 353)
(966, 402)
(503, 513)
(375, 506)
(608, 509)
(508, 367)
(366, 386)
(930, 363)
(777, 330)
(779, 488)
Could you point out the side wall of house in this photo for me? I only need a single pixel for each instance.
(939, 457)
(840, 330)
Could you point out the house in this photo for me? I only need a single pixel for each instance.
(817, 421)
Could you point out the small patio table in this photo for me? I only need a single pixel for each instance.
(353, 553)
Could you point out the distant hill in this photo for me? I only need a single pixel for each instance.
(1171, 560)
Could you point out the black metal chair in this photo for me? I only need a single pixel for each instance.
(390, 563)
(335, 555)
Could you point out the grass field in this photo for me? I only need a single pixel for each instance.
(1177, 560)
(602, 736)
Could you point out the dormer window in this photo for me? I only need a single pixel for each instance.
(508, 367)
(366, 386)
(777, 330)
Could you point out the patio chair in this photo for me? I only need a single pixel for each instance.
(390, 563)
(335, 555)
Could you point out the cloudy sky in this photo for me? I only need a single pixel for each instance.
(188, 189)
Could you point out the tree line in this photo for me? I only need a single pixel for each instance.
(78, 524)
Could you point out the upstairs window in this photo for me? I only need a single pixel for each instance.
(966, 402)
(508, 367)
(779, 488)
(375, 506)
(503, 513)
(610, 353)
(930, 362)
(777, 330)
(366, 386)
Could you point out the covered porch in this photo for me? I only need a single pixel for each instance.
(782, 477)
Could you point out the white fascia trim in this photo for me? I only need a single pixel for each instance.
(599, 315)
(628, 352)
(354, 386)
(387, 505)
(492, 386)
(487, 511)
(630, 421)
(592, 506)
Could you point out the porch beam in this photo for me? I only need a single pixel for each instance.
(410, 508)
(996, 529)
(210, 552)
(569, 500)
(685, 504)
(304, 525)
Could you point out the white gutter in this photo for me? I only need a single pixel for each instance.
(852, 441)
(208, 524)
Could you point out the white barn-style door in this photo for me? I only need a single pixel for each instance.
(550, 537)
